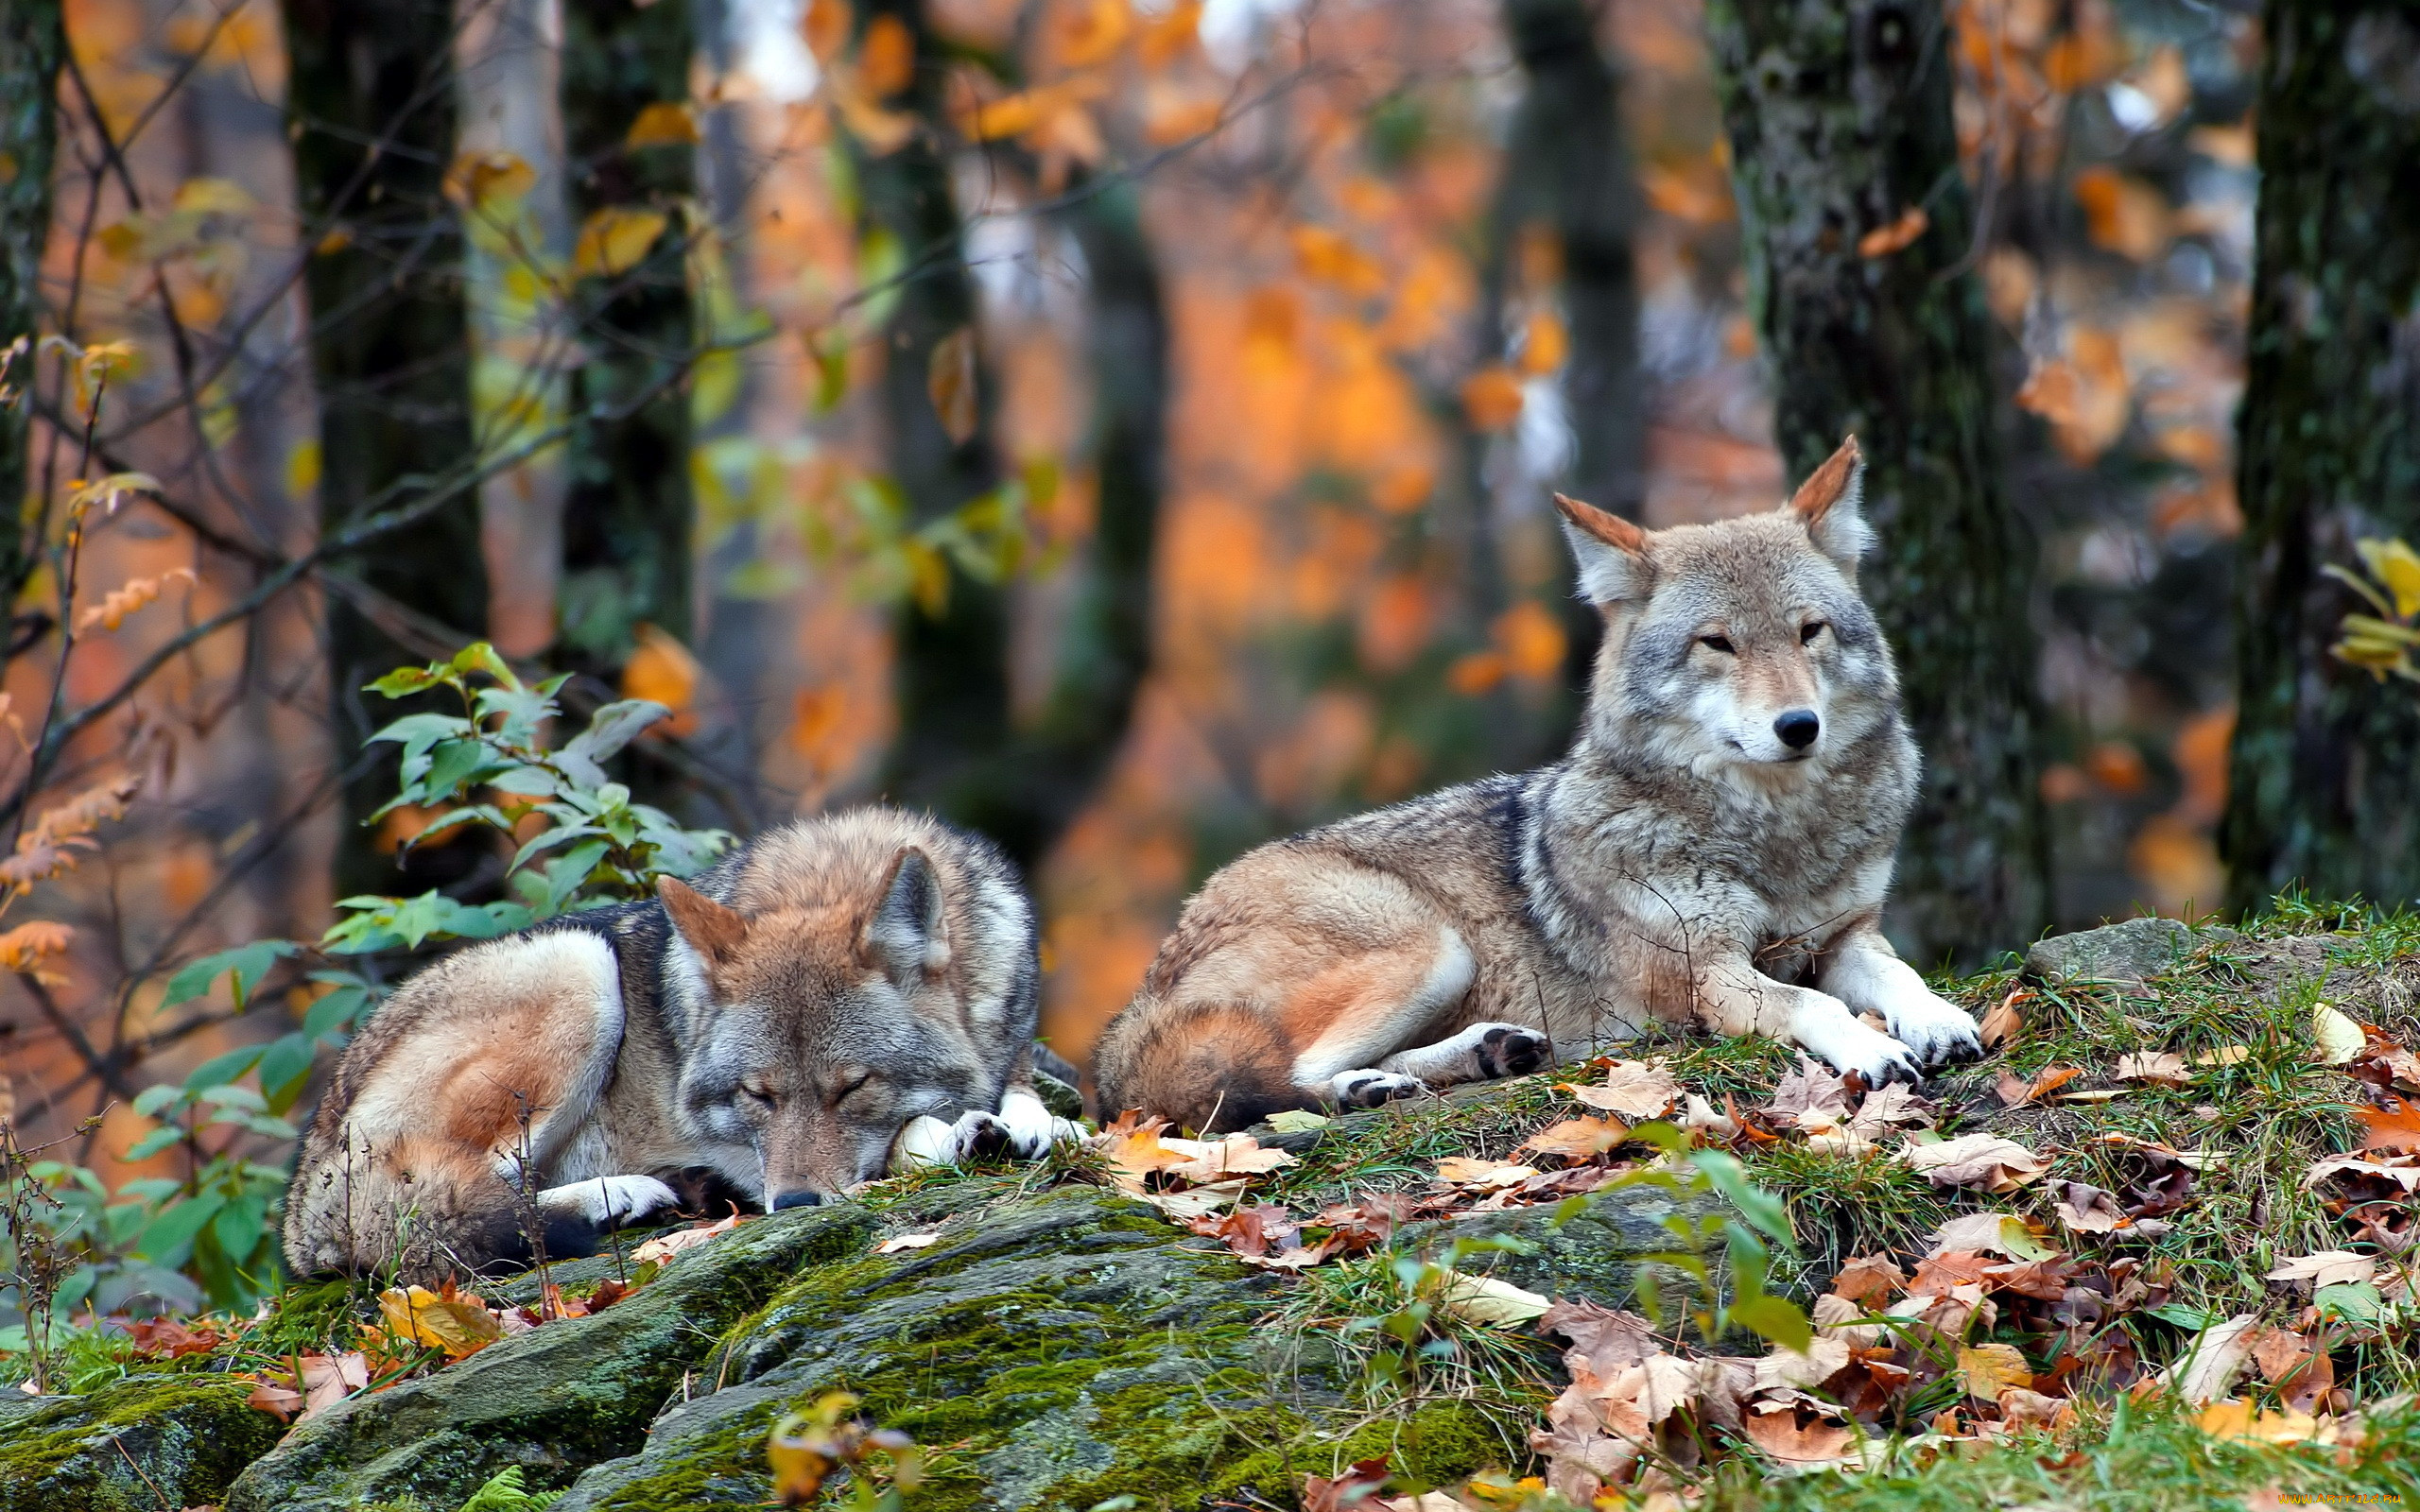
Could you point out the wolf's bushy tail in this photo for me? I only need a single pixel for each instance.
(1210, 1066)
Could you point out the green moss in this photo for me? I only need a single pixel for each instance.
(186, 1435)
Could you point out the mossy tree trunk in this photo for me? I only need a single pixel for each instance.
(372, 108)
(33, 40)
(628, 522)
(959, 751)
(1839, 125)
(2326, 786)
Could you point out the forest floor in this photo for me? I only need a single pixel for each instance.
(2155, 1252)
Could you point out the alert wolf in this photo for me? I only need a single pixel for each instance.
(1714, 849)
(842, 991)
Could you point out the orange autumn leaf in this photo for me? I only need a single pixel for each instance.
(1545, 344)
(951, 378)
(1476, 674)
(1896, 236)
(886, 57)
(827, 26)
(2122, 215)
(1531, 638)
(612, 241)
(1491, 398)
(2395, 1126)
(120, 602)
(1092, 33)
(664, 670)
(1577, 1139)
(1329, 257)
(24, 948)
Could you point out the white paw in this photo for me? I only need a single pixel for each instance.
(1369, 1087)
(1825, 1028)
(610, 1201)
(1032, 1128)
(928, 1140)
(1939, 1032)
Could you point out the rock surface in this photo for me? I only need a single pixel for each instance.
(1054, 1348)
(136, 1445)
(2124, 954)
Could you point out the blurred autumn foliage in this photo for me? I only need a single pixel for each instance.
(1147, 405)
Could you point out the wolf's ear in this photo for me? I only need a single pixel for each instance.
(907, 933)
(1831, 504)
(712, 930)
(1611, 551)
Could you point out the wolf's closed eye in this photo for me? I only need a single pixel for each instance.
(1715, 643)
(1812, 629)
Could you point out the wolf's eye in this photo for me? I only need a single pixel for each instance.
(1812, 629)
(850, 1090)
(761, 1096)
(1716, 643)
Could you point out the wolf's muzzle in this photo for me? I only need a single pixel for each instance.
(1797, 728)
(801, 1198)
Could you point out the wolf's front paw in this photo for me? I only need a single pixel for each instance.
(1509, 1050)
(610, 1201)
(1032, 1128)
(1368, 1088)
(928, 1140)
(1852, 1046)
(1939, 1032)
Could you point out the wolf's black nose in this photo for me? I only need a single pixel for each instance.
(801, 1198)
(1797, 728)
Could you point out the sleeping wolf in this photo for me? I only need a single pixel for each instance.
(838, 992)
(1714, 849)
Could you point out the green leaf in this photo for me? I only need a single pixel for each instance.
(2182, 1316)
(338, 1011)
(241, 1227)
(2359, 1303)
(610, 729)
(1775, 1319)
(153, 1142)
(219, 1069)
(547, 839)
(169, 1238)
(404, 681)
(152, 1099)
(285, 1070)
(249, 963)
(1762, 1209)
(480, 657)
(454, 764)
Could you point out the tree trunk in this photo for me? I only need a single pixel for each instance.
(33, 40)
(1567, 171)
(1839, 126)
(372, 109)
(508, 58)
(627, 532)
(2325, 790)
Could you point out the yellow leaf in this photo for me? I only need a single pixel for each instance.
(614, 240)
(24, 948)
(120, 602)
(1091, 34)
(2339, 1039)
(205, 197)
(661, 125)
(2395, 564)
(478, 179)
(1988, 1369)
(461, 1326)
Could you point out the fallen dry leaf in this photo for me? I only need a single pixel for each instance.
(2326, 1268)
(461, 1326)
(330, 1379)
(2340, 1040)
(1806, 1368)
(1869, 1279)
(2223, 1056)
(1577, 1139)
(2235, 1420)
(1997, 1233)
(1984, 1160)
(1485, 1300)
(905, 1242)
(2001, 1022)
(2163, 1068)
(278, 1401)
(1774, 1428)
(1810, 1095)
(2015, 1094)
(1347, 1492)
(664, 1246)
(1235, 1155)
(1988, 1369)
(2089, 1209)
(2395, 1126)
(1634, 1089)
(1482, 1175)
(2206, 1372)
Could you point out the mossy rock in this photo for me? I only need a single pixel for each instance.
(1592, 1254)
(2124, 954)
(133, 1446)
(553, 1401)
(1055, 1352)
